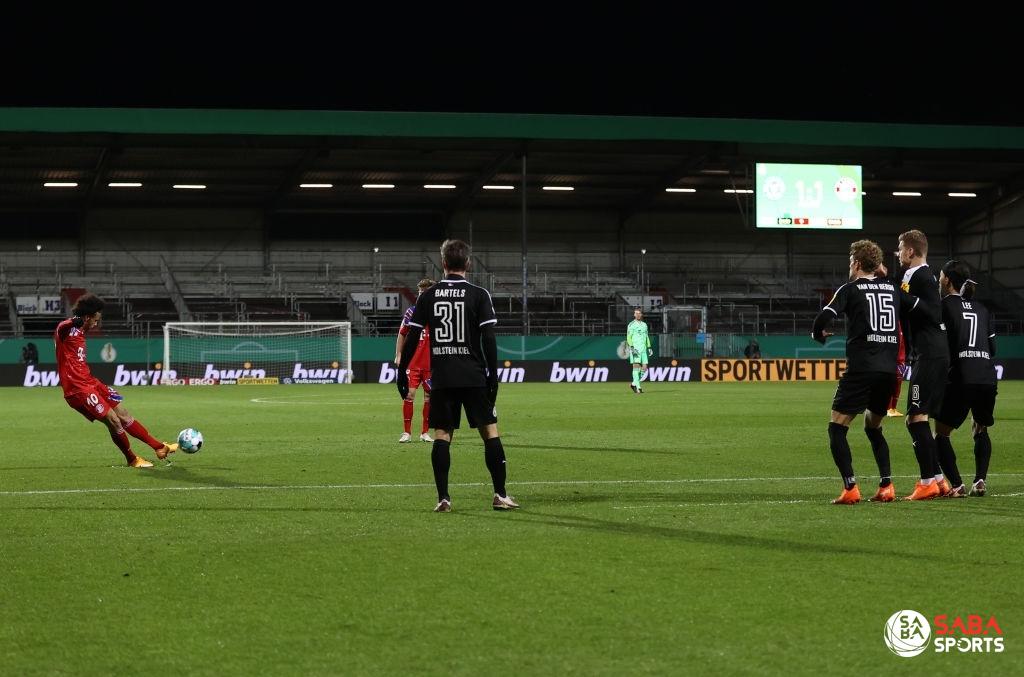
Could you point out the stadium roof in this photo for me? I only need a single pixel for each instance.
(260, 158)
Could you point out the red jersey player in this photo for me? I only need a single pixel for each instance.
(419, 371)
(901, 355)
(89, 396)
(901, 375)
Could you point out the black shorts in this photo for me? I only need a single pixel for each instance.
(446, 408)
(862, 390)
(980, 400)
(927, 384)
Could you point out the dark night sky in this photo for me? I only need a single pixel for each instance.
(703, 77)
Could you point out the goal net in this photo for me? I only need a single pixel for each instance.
(291, 352)
(685, 332)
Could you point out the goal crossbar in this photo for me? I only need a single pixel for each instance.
(321, 351)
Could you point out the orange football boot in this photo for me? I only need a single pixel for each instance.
(923, 492)
(885, 494)
(848, 497)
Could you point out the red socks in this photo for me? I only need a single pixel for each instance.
(895, 401)
(122, 442)
(139, 432)
(407, 415)
(426, 415)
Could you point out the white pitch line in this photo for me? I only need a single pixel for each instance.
(320, 487)
(800, 500)
(699, 505)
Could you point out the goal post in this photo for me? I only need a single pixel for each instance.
(291, 352)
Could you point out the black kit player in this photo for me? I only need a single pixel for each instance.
(873, 305)
(929, 362)
(972, 376)
(464, 369)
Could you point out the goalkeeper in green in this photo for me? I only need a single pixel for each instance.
(638, 342)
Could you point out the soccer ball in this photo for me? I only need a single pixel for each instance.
(190, 440)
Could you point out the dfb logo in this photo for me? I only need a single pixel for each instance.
(906, 633)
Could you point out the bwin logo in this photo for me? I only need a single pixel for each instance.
(578, 374)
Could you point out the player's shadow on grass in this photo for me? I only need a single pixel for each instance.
(178, 473)
(614, 450)
(748, 541)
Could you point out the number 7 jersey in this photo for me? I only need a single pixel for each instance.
(873, 307)
(972, 337)
(456, 312)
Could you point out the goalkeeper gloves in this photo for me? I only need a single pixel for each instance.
(402, 381)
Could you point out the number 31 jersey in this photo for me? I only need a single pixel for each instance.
(873, 307)
(455, 311)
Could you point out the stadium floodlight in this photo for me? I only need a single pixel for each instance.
(124, 184)
(189, 186)
(60, 184)
(286, 352)
(680, 190)
(905, 193)
(962, 194)
(563, 188)
(439, 186)
(316, 185)
(499, 187)
(373, 186)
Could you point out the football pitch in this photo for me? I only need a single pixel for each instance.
(687, 530)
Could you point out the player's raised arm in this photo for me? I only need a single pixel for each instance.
(819, 332)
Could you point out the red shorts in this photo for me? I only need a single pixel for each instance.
(94, 402)
(418, 376)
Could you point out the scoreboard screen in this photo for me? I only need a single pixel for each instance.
(809, 196)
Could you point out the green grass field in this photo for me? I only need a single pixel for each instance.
(685, 531)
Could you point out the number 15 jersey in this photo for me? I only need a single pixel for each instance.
(455, 311)
(873, 307)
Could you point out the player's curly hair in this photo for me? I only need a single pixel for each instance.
(425, 283)
(455, 254)
(868, 254)
(87, 304)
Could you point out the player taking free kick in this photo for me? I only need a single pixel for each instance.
(89, 396)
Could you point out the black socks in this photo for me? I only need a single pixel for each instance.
(947, 460)
(982, 455)
(880, 448)
(841, 453)
(494, 457)
(924, 448)
(441, 460)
